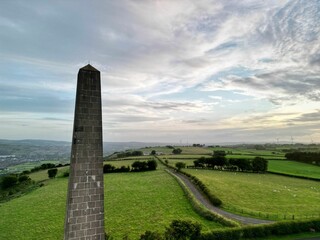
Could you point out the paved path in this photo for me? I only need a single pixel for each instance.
(203, 200)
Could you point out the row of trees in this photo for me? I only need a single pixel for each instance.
(11, 180)
(136, 153)
(219, 161)
(305, 157)
(137, 166)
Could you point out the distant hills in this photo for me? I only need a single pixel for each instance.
(13, 152)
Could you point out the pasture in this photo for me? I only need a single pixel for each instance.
(185, 150)
(29, 165)
(294, 168)
(134, 203)
(262, 193)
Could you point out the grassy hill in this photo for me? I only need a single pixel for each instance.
(295, 168)
(134, 203)
(264, 193)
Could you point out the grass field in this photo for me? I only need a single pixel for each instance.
(28, 166)
(134, 203)
(294, 168)
(314, 236)
(185, 150)
(265, 193)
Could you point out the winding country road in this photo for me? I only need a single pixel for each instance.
(203, 200)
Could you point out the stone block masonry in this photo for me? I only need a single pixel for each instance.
(85, 200)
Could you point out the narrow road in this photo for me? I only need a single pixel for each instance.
(203, 200)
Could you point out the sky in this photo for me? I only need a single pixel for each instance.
(180, 71)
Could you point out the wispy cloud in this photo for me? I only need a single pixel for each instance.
(191, 68)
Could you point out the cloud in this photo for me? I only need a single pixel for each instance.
(308, 117)
(170, 66)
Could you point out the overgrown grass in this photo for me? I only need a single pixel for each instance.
(294, 168)
(265, 193)
(134, 203)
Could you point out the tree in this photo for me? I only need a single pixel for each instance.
(210, 162)
(152, 165)
(242, 164)
(219, 161)
(201, 162)
(24, 178)
(137, 153)
(183, 230)
(219, 153)
(180, 165)
(9, 181)
(153, 152)
(52, 172)
(138, 166)
(259, 164)
(108, 168)
(176, 151)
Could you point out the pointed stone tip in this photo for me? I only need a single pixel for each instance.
(89, 68)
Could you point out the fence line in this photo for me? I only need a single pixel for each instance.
(273, 216)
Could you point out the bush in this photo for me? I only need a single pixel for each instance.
(180, 165)
(24, 178)
(176, 151)
(232, 234)
(108, 168)
(66, 173)
(259, 164)
(123, 169)
(262, 231)
(138, 166)
(152, 165)
(148, 235)
(180, 229)
(9, 181)
(52, 172)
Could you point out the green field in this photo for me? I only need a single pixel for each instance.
(185, 150)
(134, 203)
(28, 166)
(264, 193)
(294, 168)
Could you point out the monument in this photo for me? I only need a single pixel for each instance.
(85, 198)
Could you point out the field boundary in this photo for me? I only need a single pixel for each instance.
(235, 217)
(199, 208)
(295, 176)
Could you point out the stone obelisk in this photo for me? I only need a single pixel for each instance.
(85, 200)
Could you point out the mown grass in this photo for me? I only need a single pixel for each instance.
(134, 203)
(265, 193)
(294, 168)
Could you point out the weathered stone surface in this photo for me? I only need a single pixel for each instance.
(85, 205)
